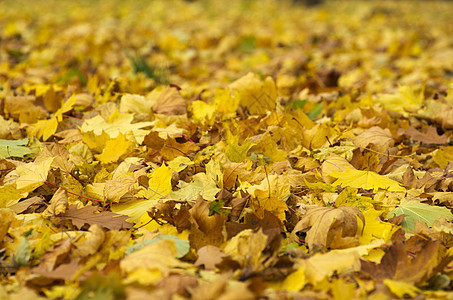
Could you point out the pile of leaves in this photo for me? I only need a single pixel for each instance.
(262, 149)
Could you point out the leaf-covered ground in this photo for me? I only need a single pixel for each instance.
(214, 150)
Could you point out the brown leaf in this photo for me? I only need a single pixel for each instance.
(270, 225)
(206, 230)
(153, 141)
(209, 256)
(238, 205)
(178, 284)
(397, 265)
(170, 102)
(27, 204)
(409, 179)
(88, 215)
(329, 77)
(429, 137)
(376, 138)
(7, 217)
(57, 256)
(324, 224)
(173, 149)
(64, 271)
(166, 211)
(445, 118)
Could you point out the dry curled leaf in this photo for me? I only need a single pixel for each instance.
(329, 227)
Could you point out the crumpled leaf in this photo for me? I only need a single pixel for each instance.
(328, 227)
(396, 265)
(247, 248)
(58, 204)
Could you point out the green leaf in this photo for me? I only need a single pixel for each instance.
(417, 211)
(23, 252)
(315, 111)
(297, 104)
(182, 246)
(14, 148)
(216, 206)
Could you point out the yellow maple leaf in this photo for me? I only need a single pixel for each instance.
(321, 266)
(179, 163)
(95, 142)
(117, 123)
(159, 185)
(10, 195)
(235, 152)
(401, 289)
(47, 128)
(200, 185)
(374, 228)
(258, 97)
(223, 107)
(203, 112)
(32, 175)
(318, 136)
(152, 263)
(405, 99)
(263, 202)
(247, 249)
(114, 149)
(366, 180)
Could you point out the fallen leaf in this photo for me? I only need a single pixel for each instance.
(396, 264)
(377, 138)
(32, 175)
(88, 215)
(14, 148)
(365, 180)
(429, 137)
(209, 256)
(170, 102)
(416, 211)
(322, 225)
